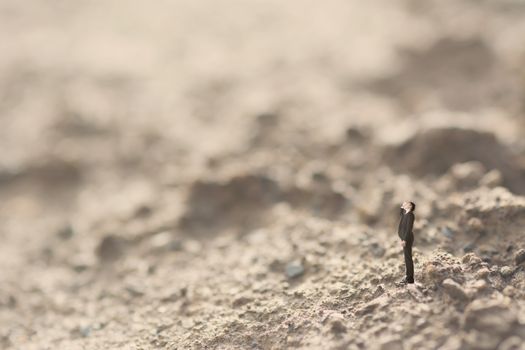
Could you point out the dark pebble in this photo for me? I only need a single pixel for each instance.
(377, 250)
(447, 232)
(110, 248)
(469, 247)
(354, 134)
(66, 232)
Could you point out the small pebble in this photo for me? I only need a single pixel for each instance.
(475, 224)
(8, 300)
(467, 257)
(509, 291)
(66, 232)
(519, 257)
(492, 317)
(143, 211)
(454, 290)
(354, 134)
(110, 248)
(134, 291)
(491, 179)
(468, 247)
(480, 285)
(483, 273)
(241, 301)
(294, 269)
(336, 323)
(447, 232)
(377, 250)
(371, 306)
(85, 331)
(506, 271)
(165, 241)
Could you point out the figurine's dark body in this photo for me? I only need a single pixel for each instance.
(405, 233)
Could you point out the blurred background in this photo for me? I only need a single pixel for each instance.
(129, 127)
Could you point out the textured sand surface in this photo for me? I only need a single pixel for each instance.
(228, 174)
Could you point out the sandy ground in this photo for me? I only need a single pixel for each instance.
(227, 174)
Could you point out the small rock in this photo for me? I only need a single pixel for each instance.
(430, 272)
(335, 322)
(143, 211)
(486, 259)
(468, 171)
(491, 179)
(165, 241)
(241, 301)
(80, 267)
(469, 247)
(378, 291)
(492, 317)
(475, 224)
(447, 232)
(372, 306)
(353, 133)
(135, 291)
(8, 300)
(519, 257)
(494, 269)
(161, 328)
(160, 240)
(85, 331)
(66, 232)
(294, 269)
(509, 291)
(267, 119)
(319, 176)
(377, 250)
(11, 302)
(110, 248)
(175, 295)
(473, 261)
(454, 290)
(81, 331)
(467, 257)
(82, 262)
(479, 285)
(506, 271)
(483, 273)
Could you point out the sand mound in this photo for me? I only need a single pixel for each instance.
(245, 202)
(434, 151)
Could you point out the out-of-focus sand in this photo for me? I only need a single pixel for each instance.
(227, 174)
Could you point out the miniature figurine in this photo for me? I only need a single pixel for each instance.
(407, 238)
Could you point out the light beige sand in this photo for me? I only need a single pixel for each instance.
(227, 174)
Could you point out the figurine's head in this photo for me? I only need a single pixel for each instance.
(408, 206)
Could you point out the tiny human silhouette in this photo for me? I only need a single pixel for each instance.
(407, 238)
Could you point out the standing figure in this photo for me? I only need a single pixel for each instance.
(407, 238)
